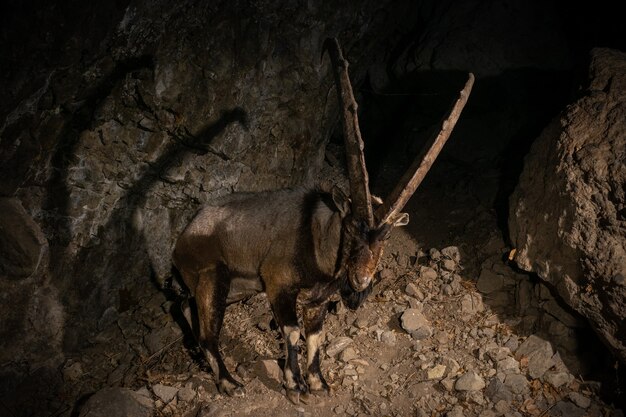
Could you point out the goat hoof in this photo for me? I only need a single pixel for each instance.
(306, 398)
(231, 388)
(294, 396)
(323, 392)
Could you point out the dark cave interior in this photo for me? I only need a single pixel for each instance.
(121, 119)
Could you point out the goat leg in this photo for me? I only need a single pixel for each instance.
(314, 316)
(284, 307)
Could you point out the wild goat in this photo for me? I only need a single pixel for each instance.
(296, 243)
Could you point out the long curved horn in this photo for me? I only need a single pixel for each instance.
(357, 172)
(413, 177)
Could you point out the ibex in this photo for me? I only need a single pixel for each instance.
(296, 242)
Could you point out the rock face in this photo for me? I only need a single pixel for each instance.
(109, 147)
(568, 213)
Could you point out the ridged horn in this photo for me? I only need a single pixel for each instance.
(357, 172)
(413, 177)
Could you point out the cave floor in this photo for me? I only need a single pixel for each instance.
(431, 339)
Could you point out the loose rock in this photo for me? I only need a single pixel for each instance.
(337, 345)
(539, 353)
(117, 402)
(469, 381)
(164, 392)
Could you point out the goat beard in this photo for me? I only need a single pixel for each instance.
(351, 298)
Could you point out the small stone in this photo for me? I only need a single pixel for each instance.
(388, 337)
(508, 366)
(186, 394)
(471, 304)
(469, 381)
(117, 402)
(411, 289)
(517, 383)
(164, 392)
(437, 372)
(566, 408)
(413, 319)
(497, 391)
(539, 353)
(427, 273)
(337, 345)
(557, 379)
(502, 406)
(498, 353)
(512, 343)
(434, 254)
(452, 253)
(448, 384)
(348, 354)
(416, 304)
(421, 333)
(72, 371)
(442, 337)
(487, 413)
(448, 265)
(144, 397)
(579, 399)
(268, 368)
(457, 411)
(362, 322)
(447, 290)
(451, 365)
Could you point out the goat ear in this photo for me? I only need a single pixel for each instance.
(341, 200)
(401, 220)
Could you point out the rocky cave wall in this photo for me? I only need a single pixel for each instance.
(568, 213)
(108, 149)
(120, 120)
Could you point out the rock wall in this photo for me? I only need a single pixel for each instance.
(568, 213)
(129, 118)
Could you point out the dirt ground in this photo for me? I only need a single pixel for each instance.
(443, 333)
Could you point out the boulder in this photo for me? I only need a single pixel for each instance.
(568, 211)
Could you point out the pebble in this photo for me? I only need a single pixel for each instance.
(517, 383)
(508, 366)
(499, 353)
(457, 411)
(72, 371)
(412, 290)
(497, 391)
(269, 368)
(469, 381)
(452, 253)
(448, 384)
(502, 406)
(427, 273)
(186, 394)
(539, 353)
(388, 337)
(413, 319)
(448, 265)
(337, 345)
(165, 392)
(471, 304)
(348, 354)
(557, 379)
(434, 254)
(436, 372)
(579, 399)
